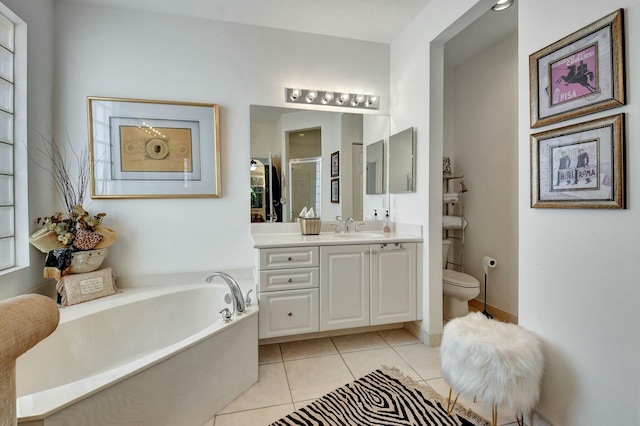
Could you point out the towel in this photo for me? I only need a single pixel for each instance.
(453, 222)
(450, 197)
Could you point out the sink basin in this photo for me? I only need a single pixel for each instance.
(357, 236)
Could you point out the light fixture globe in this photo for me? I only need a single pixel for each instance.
(295, 94)
(501, 5)
(328, 97)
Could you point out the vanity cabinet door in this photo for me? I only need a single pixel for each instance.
(393, 283)
(288, 312)
(344, 286)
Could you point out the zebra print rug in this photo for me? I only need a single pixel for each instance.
(383, 397)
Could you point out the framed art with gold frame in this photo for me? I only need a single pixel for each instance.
(579, 74)
(579, 166)
(153, 149)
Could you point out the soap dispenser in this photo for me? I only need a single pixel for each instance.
(387, 228)
(375, 215)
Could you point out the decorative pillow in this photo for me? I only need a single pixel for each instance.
(86, 240)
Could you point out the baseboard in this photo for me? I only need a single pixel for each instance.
(498, 314)
(332, 333)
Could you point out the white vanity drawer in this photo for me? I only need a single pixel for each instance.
(288, 257)
(288, 312)
(288, 279)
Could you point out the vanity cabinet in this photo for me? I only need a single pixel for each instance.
(288, 291)
(363, 285)
(331, 287)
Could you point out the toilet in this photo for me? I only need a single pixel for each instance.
(457, 288)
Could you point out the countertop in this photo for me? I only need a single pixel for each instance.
(296, 239)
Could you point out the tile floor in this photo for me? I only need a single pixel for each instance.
(294, 374)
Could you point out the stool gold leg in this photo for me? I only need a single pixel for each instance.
(451, 406)
(494, 415)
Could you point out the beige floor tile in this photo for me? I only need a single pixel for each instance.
(364, 362)
(313, 377)
(359, 342)
(505, 417)
(259, 417)
(398, 336)
(424, 359)
(307, 348)
(272, 389)
(300, 404)
(269, 353)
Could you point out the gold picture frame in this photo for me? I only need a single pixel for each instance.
(153, 149)
(579, 166)
(580, 74)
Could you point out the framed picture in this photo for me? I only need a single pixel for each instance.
(335, 190)
(153, 149)
(335, 164)
(579, 166)
(580, 74)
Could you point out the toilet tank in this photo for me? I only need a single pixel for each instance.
(446, 244)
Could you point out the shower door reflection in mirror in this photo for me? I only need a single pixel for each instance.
(305, 185)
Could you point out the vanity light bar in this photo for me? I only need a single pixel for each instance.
(325, 97)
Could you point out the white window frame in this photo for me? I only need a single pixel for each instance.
(20, 155)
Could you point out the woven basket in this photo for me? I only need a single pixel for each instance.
(310, 226)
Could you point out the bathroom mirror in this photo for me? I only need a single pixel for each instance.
(375, 170)
(289, 139)
(402, 164)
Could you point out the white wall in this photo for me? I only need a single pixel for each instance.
(485, 151)
(578, 268)
(417, 91)
(38, 14)
(582, 302)
(117, 53)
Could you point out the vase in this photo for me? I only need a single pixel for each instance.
(87, 260)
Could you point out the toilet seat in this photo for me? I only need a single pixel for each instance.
(459, 279)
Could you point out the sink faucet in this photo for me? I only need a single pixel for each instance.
(347, 224)
(236, 293)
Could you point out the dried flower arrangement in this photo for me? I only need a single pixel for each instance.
(75, 229)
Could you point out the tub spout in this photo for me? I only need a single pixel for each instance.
(236, 293)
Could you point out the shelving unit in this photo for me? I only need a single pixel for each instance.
(454, 209)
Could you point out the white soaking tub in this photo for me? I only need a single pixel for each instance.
(150, 355)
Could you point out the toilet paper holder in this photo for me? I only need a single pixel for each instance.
(487, 262)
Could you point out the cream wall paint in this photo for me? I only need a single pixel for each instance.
(38, 14)
(485, 151)
(578, 278)
(119, 53)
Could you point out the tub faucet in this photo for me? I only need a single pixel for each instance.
(236, 293)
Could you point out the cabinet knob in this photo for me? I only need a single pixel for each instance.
(366, 252)
(375, 252)
(290, 280)
(290, 314)
(290, 259)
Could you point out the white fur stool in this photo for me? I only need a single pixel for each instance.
(497, 362)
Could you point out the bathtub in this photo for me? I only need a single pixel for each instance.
(150, 355)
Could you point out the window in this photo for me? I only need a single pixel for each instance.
(13, 167)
